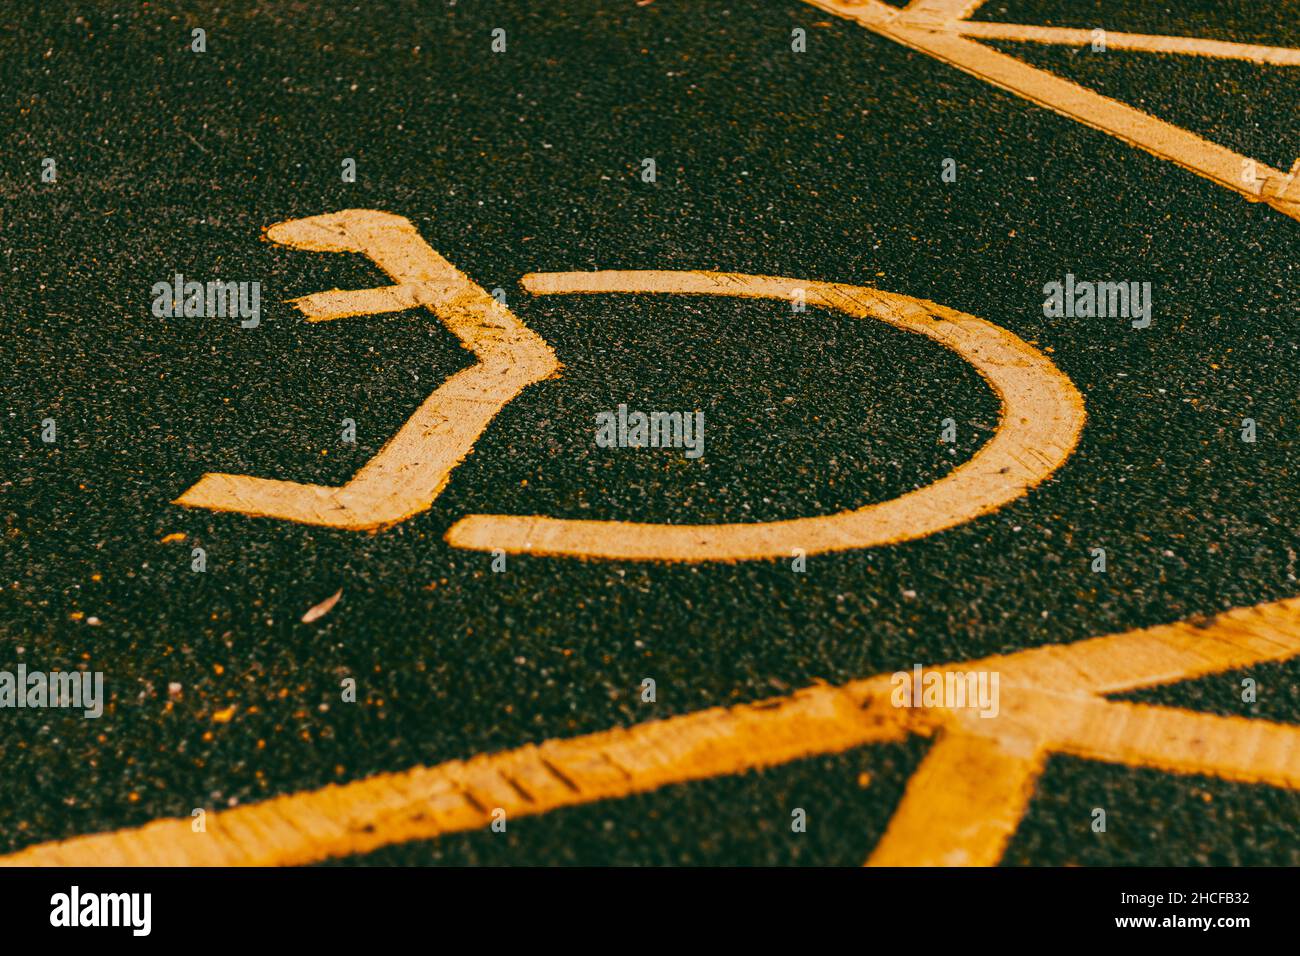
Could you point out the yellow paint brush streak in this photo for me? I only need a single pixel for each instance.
(1042, 417)
(412, 468)
(960, 807)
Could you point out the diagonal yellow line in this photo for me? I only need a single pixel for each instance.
(1049, 703)
(940, 11)
(962, 805)
(953, 16)
(1142, 42)
(461, 795)
(1163, 654)
(1180, 741)
(918, 29)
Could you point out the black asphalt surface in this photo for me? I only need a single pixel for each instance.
(824, 166)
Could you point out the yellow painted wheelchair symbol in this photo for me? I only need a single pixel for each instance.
(1041, 418)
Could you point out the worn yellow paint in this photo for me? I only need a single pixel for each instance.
(934, 27)
(409, 472)
(937, 12)
(961, 806)
(1142, 42)
(1042, 417)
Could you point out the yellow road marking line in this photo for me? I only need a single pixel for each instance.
(1042, 417)
(961, 807)
(929, 28)
(964, 808)
(938, 11)
(1072, 36)
(426, 802)
(412, 468)
(1165, 738)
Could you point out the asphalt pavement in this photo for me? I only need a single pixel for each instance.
(823, 165)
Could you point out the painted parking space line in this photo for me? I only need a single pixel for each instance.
(1117, 40)
(961, 806)
(934, 27)
(1041, 419)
